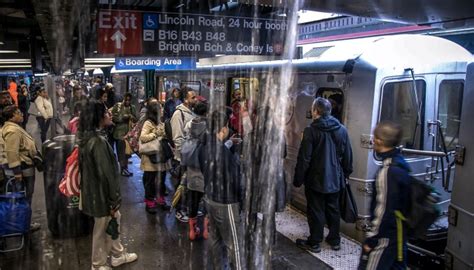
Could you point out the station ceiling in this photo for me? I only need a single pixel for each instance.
(55, 34)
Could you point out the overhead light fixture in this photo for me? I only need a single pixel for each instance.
(224, 6)
(2, 36)
(10, 47)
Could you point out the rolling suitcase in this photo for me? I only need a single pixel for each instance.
(15, 217)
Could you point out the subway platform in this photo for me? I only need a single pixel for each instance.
(160, 241)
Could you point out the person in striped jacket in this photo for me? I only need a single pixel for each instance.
(386, 243)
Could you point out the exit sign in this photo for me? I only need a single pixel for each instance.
(119, 32)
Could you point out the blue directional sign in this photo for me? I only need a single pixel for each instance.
(156, 63)
(150, 21)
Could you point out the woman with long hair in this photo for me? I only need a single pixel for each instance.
(100, 185)
(153, 165)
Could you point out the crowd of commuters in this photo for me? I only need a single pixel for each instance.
(199, 152)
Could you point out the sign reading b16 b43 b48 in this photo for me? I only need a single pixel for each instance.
(119, 32)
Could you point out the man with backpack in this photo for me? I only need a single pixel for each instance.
(181, 116)
(324, 162)
(386, 242)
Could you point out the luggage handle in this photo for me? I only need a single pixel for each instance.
(10, 182)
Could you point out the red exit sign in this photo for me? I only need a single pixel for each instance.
(119, 32)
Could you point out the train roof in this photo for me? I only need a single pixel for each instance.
(399, 51)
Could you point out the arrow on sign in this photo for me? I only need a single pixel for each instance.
(118, 37)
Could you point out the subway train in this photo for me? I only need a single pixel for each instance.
(415, 80)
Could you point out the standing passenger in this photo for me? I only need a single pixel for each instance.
(153, 165)
(100, 185)
(181, 116)
(45, 108)
(224, 194)
(19, 150)
(195, 131)
(13, 90)
(386, 242)
(324, 162)
(23, 104)
(172, 103)
(123, 114)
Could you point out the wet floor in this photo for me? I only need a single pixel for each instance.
(159, 240)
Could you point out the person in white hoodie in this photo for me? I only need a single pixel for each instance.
(45, 109)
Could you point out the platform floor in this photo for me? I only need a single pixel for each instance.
(160, 240)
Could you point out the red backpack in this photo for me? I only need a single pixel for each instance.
(70, 184)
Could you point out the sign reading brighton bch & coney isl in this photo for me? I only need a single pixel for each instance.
(168, 34)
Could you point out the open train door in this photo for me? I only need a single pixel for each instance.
(460, 248)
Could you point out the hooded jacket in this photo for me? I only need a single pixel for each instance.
(177, 126)
(100, 181)
(195, 130)
(324, 157)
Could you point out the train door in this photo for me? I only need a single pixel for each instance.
(336, 97)
(450, 90)
(246, 87)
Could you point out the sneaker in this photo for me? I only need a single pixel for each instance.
(200, 213)
(336, 247)
(34, 226)
(304, 244)
(124, 258)
(181, 216)
(126, 173)
(103, 267)
(150, 206)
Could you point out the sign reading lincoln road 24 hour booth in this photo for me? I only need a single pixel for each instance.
(172, 34)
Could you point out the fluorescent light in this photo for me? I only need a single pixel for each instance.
(15, 61)
(99, 60)
(16, 66)
(1, 43)
(8, 51)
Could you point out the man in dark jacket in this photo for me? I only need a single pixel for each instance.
(224, 191)
(324, 162)
(386, 242)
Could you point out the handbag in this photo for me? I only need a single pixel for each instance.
(167, 150)
(347, 204)
(150, 148)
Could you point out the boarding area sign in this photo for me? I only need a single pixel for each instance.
(155, 63)
(179, 34)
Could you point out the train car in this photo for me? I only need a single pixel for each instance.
(460, 248)
(415, 80)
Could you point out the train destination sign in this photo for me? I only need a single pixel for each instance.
(155, 63)
(167, 34)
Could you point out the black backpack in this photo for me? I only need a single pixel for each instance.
(422, 210)
(169, 130)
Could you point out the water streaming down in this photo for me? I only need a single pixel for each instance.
(264, 152)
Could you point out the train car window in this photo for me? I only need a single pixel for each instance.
(336, 97)
(449, 112)
(248, 88)
(399, 105)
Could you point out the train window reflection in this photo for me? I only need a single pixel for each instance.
(399, 104)
(449, 111)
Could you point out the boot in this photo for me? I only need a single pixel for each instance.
(205, 231)
(193, 229)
